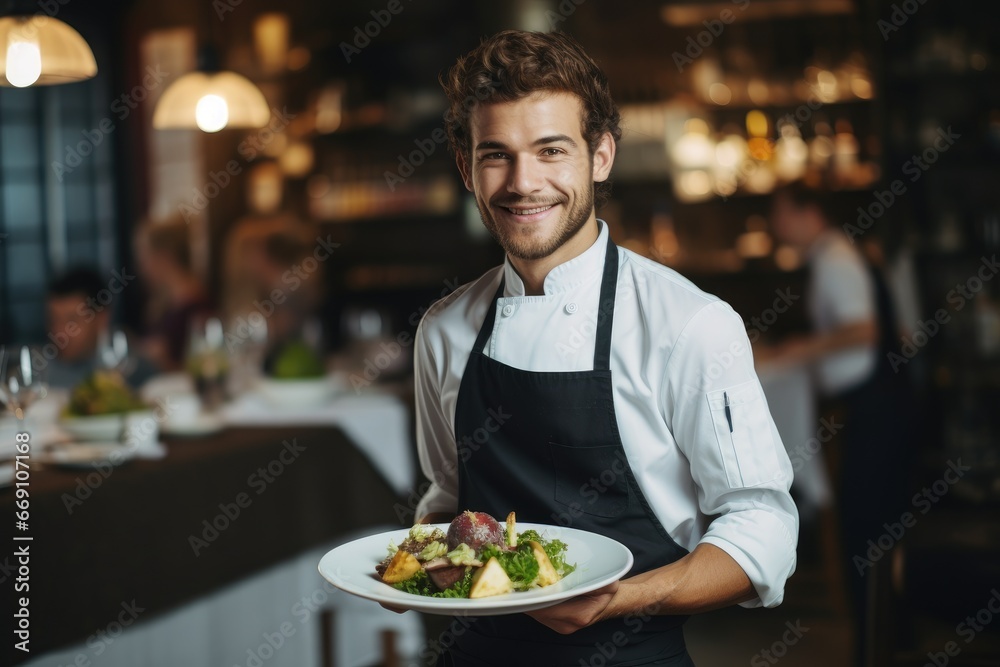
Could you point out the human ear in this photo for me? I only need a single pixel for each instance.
(604, 158)
(464, 169)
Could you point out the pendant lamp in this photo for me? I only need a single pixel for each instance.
(210, 99)
(38, 50)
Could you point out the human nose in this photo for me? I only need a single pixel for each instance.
(525, 177)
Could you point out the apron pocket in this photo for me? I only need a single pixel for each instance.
(590, 480)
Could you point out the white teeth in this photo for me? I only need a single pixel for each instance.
(528, 211)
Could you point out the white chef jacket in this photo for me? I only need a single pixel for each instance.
(841, 292)
(675, 351)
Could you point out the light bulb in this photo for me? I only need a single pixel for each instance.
(211, 113)
(24, 63)
(730, 152)
(693, 150)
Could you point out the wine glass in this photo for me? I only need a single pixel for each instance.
(22, 378)
(207, 361)
(113, 351)
(247, 345)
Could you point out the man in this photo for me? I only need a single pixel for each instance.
(841, 298)
(269, 263)
(76, 322)
(585, 362)
(178, 300)
(854, 332)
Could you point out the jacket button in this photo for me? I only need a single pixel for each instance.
(508, 310)
(570, 308)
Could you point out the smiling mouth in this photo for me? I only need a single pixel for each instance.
(528, 211)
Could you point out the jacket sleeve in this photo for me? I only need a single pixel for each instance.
(436, 446)
(720, 419)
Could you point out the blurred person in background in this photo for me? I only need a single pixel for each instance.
(178, 300)
(854, 330)
(288, 295)
(77, 320)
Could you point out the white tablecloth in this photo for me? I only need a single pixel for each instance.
(377, 423)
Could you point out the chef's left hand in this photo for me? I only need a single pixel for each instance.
(579, 612)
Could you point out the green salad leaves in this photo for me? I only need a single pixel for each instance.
(519, 564)
(420, 584)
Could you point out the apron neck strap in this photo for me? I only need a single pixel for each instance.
(491, 318)
(605, 313)
(606, 309)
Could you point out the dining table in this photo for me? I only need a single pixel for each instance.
(154, 533)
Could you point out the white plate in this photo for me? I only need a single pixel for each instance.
(200, 425)
(104, 428)
(85, 454)
(95, 428)
(306, 393)
(599, 561)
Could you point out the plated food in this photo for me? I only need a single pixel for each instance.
(295, 361)
(99, 407)
(475, 558)
(103, 393)
(295, 377)
(599, 560)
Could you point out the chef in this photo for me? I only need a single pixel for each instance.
(582, 385)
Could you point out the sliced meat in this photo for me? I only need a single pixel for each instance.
(411, 545)
(436, 563)
(446, 577)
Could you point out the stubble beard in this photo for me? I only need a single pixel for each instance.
(528, 246)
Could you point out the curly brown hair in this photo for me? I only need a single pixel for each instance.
(513, 64)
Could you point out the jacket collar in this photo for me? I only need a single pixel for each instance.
(586, 266)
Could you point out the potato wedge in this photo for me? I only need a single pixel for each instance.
(402, 566)
(490, 580)
(547, 574)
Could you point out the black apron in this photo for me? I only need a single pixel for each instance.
(546, 445)
(877, 456)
